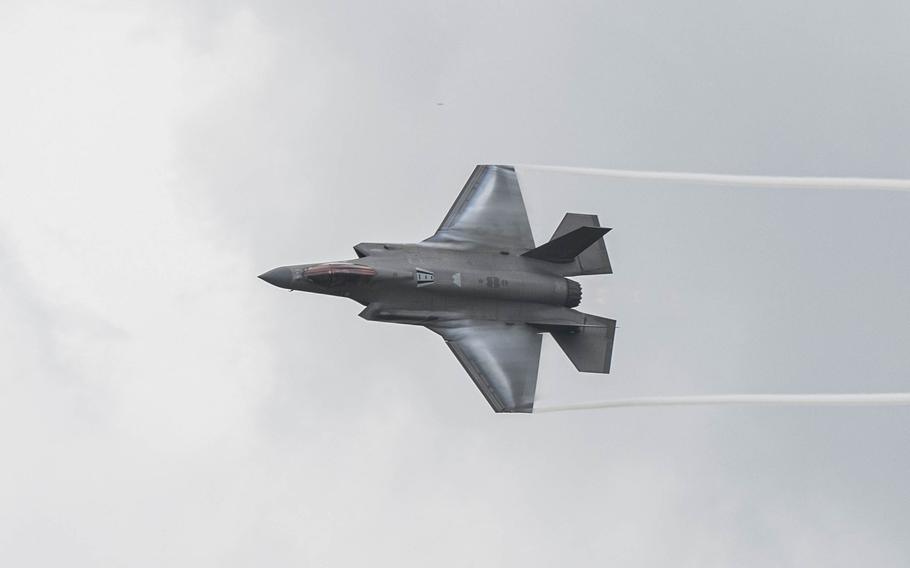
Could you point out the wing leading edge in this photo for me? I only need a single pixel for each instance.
(488, 214)
(502, 359)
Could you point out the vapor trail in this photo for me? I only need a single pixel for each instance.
(849, 399)
(726, 179)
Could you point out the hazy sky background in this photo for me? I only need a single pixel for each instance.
(160, 406)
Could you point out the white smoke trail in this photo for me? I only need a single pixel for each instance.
(740, 180)
(848, 399)
(851, 399)
(886, 184)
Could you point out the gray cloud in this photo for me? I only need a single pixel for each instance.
(163, 407)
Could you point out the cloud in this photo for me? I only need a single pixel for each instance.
(162, 406)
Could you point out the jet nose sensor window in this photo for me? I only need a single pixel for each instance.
(338, 274)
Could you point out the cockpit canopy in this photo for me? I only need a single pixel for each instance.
(333, 274)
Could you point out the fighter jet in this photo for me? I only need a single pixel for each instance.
(481, 284)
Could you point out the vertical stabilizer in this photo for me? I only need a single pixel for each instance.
(577, 247)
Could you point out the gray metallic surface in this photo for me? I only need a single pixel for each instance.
(589, 347)
(594, 259)
(501, 358)
(475, 284)
(566, 248)
(489, 213)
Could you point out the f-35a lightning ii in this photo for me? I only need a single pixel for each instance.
(482, 285)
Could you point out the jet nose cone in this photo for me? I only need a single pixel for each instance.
(280, 277)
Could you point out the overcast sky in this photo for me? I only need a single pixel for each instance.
(160, 406)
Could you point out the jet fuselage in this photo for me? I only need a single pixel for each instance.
(414, 283)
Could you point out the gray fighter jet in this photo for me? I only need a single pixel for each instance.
(482, 285)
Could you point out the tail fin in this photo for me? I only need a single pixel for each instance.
(589, 346)
(577, 246)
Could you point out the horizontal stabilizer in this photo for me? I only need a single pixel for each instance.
(590, 345)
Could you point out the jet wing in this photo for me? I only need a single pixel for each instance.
(501, 358)
(488, 214)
